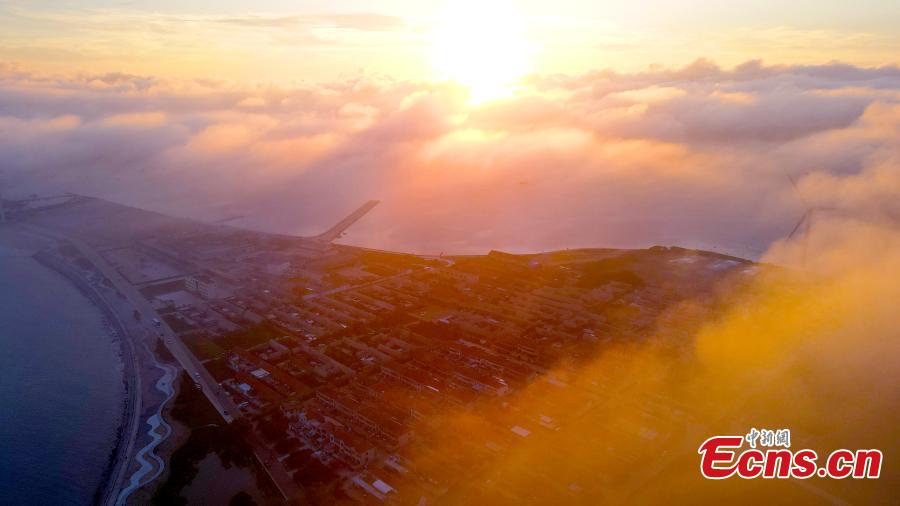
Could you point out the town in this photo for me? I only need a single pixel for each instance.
(343, 360)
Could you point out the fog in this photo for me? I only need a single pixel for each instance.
(812, 348)
(697, 156)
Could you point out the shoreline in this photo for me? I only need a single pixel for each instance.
(165, 385)
(119, 457)
(179, 434)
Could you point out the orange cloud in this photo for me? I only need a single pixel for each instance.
(697, 155)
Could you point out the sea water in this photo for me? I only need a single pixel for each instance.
(61, 388)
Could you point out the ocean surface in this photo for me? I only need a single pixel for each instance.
(61, 389)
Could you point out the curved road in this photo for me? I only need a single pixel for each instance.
(219, 399)
(145, 456)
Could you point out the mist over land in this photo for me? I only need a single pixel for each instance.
(641, 353)
(572, 264)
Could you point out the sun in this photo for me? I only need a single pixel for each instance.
(481, 45)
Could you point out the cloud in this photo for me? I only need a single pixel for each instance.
(809, 349)
(697, 155)
(766, 116)
(360, 21)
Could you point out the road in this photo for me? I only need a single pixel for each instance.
(345, 288)
(217, 397)
(133, 403)
(268, 459)
(220, 400)
(149, 461)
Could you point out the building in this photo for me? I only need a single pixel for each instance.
(203, 285)
(354, 450)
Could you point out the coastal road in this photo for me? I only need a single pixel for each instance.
(220, 400)
(149, 461)
(133, 402)
(217, 397)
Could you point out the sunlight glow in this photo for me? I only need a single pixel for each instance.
(481, 45)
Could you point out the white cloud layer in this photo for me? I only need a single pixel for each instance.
(696, 156)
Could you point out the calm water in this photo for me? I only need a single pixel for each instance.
(61, 391)
(217, 484)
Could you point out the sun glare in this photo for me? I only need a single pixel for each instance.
(481, 45)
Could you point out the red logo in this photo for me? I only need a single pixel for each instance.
(721, 458)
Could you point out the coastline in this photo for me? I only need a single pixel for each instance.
(119, 457)
(180, 433)
(165, 385)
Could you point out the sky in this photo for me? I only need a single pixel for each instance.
(483, 125)
(271, 40)
(525, 126)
